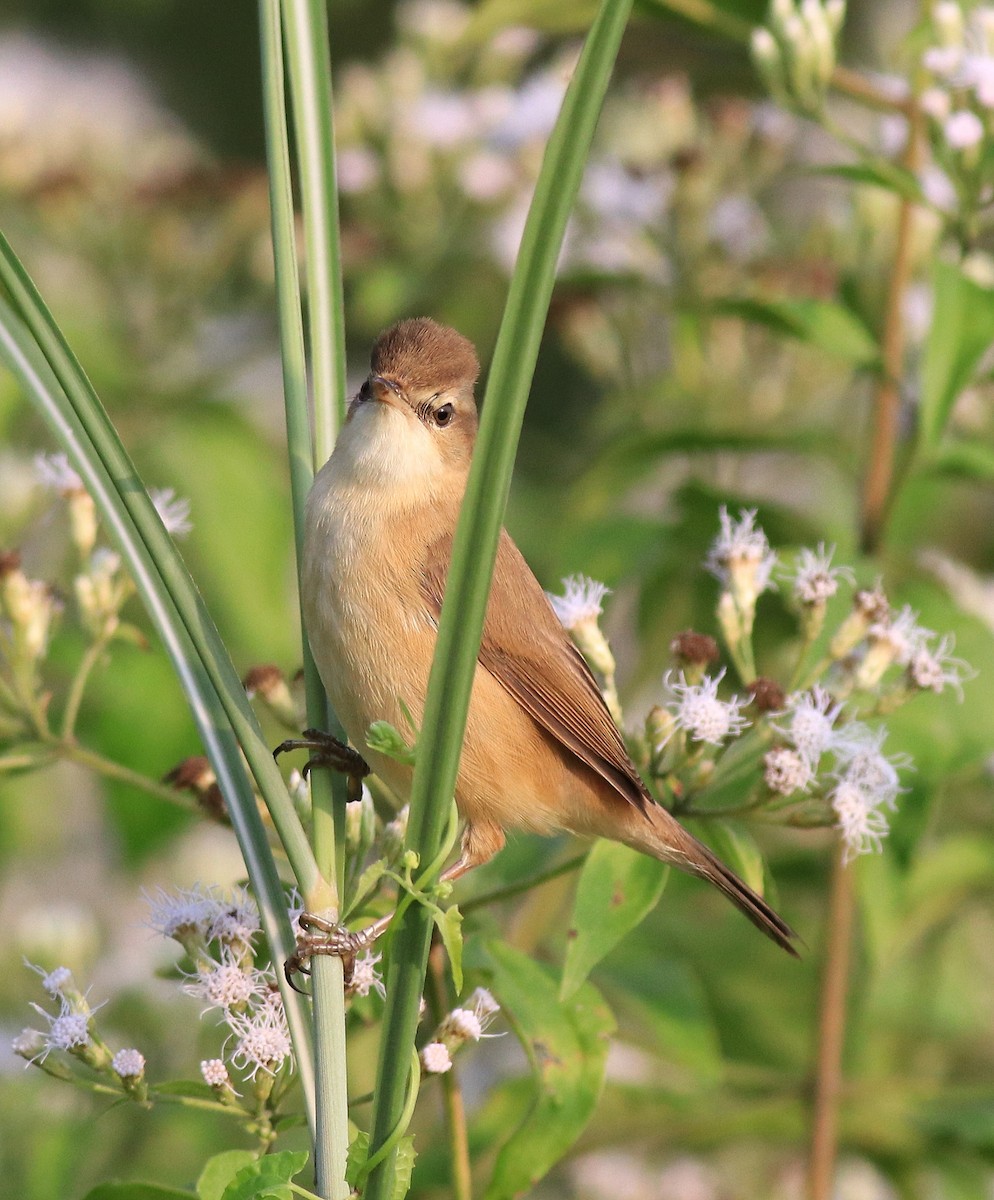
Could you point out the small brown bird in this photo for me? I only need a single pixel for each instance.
(541, 751)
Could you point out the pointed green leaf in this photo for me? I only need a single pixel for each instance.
(449, 923)
(618, 888)
(736, 846)
(962, 329)
(220, 1170)
(566, 1043)
(266, 1174)
(823, 323)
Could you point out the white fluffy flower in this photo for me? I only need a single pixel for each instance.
(786, 771)
(129, 1064)
(225, 984)
(365, 977)
(435, 1059)
(54, 471)
(69, 1030)
(810, 721)
(187, 910)
(460, 1025)
(741, 558)
(484, 1006)
(263, 1040)
(699, 712)
(862, 763)
(862, 824)
(173, 510)
(815, 579)
(581, 601)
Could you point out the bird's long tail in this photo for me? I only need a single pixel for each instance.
(667, 840)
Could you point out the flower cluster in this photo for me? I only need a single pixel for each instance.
(217, 931)
(461, 1025)
(822, 760)
(795, 53)
(72, 1030)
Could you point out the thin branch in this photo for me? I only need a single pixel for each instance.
(877, 492)
(831, 1033)
(525, 885)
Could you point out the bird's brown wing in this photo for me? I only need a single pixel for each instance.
(528, 652)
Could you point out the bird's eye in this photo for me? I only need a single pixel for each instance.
(443, 414)
(365, 392)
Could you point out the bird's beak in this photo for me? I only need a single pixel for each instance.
(386, 391)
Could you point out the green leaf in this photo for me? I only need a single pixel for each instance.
(736, 846)
(449, 924)
(823, 323)
(618, 888)
(879, 173)
(962, 329)
(403, 1164)
(967, 460)
(136, 1191)
(266, 1174)
(220, 1170)
(566, 1043)
(386, 739)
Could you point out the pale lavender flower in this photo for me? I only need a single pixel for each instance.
(214, 1072)
(357, 170)
(698, 711)
(263, 1040)
(435, 1059)
(129, 1064)
(935, 668)
(225, 984)
(236, 921)
(936, 103)
(900, 633)
(68, 1030)
(54, 982)
(815, 579)
(963, 130)
(943, 61)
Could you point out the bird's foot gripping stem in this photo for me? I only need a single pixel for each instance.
(328, 751)
(319, 936)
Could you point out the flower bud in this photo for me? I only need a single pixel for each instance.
(270, 685)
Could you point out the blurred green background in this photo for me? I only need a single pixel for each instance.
(132, 186)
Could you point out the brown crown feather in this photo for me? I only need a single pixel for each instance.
(420, 353)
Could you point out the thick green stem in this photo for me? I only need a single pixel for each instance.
(475, 548)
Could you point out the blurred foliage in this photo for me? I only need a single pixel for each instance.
(714, 340)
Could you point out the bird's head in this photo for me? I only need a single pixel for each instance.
(415, 414)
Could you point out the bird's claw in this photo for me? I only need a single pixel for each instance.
(328, 752)
(330, 938)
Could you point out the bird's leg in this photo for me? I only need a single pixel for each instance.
(329, 752)
(479, 844)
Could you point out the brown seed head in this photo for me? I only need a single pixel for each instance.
(767, 695)
(421, 354)
(10, 561)
(264, 679)
(694, 649)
